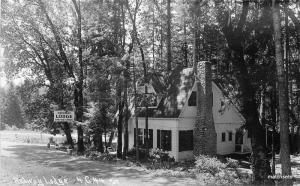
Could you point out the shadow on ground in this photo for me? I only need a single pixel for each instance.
(108, 170)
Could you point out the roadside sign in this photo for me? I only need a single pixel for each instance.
(63, 116)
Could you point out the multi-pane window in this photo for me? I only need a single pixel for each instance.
(230, 136)
(223, 136)
(142, 137)
(164, 140)
(186, 140)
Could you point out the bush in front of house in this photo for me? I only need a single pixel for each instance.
(210, 170)
(160, 159)
(207, 164)
(232, 163)
(132, 153)
(159, 155)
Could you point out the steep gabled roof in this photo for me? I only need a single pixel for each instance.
(175, 96)
(181, 83)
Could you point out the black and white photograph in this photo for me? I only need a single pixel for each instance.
(149, 92)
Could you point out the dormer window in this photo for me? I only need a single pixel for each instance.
(193, 99)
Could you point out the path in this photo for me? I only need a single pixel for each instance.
(21, 162)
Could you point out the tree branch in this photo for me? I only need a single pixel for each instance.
(58, 41)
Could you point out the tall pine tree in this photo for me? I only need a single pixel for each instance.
(12, 113)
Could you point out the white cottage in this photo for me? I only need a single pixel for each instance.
(172, 125)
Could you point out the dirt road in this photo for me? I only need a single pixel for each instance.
(34, 164)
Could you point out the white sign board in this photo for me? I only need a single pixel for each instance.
(63, 116)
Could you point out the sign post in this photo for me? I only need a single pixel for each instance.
(63, 116)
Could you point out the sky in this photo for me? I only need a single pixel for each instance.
(2, 78)
(3, 81)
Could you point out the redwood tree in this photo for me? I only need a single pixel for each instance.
(282, 94)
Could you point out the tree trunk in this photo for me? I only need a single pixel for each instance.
(120, 129)
(135, 115)
(78, 102)
(185, 46)
(105, 142)
(298, 139)
(117, 26)
(234, 36)
(125, 148)
(153, 37)
(135, 38)
(67, 131)
(196, 47)
(282, 95)
(261, 166)
(79, 84)
(120, 104)
(260, 162)
(127, 76)
(111, 137)
(273, 105)
(169, 49)
(80, 144)
(263, 115)
(296, 22)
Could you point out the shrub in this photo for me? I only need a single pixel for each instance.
(231, 163)
(28, 126)
(51, 140)
(132, 153)
(160, 159)
(206, 164)
(14, 128)
(158, 155)
(2, 127)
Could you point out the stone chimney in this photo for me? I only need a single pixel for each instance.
(205, 136)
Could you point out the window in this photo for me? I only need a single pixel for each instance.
(230, 136)
(186, 140)
(249, 135)
(142, 137)
(164, 139)
(193, 99)
(150, 136)
(223, 136)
